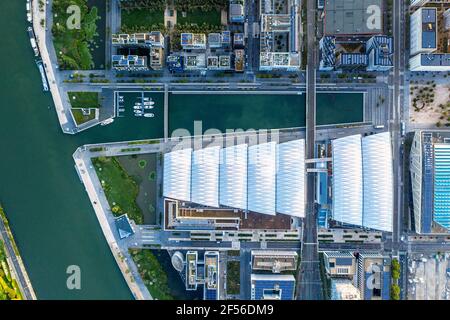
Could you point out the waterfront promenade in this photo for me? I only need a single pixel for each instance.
(119, 249)
(44, 42)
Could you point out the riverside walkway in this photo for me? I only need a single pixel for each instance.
(44, 42)
(87, 174)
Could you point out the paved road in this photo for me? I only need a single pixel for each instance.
(309, 286)
(245, 273)
(396, 81)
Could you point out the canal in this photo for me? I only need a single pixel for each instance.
(47, 206)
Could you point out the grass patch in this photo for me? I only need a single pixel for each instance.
(84, 99)
(139, 19)
(73, 46)
(199, 17)
(120, 188)
(152, 273)
(233, 277)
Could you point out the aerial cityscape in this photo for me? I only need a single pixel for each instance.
(225, 150)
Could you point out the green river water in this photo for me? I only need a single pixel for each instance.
(48, 208)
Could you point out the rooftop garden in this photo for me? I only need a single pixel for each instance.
(121, 189)
(73, 46)
(84, 105)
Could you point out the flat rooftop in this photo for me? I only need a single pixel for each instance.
(349, 17)
(429, 27)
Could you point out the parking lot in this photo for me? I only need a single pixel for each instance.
(429, 277)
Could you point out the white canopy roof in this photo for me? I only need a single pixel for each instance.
(262, 178)
(291, 178)
(233, 176)
(347, 180)
(205, 176)
(378, 182)
(177, 174)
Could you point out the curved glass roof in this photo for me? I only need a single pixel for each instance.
(378, 182)
(347, 180)
(177, 174)
(262, 178)
(233, 176)
(291, 178)
(205, 176)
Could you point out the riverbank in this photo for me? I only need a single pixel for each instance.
(40, 30)
(12, 268)
(88, 176)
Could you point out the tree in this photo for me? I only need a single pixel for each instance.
(395, 292)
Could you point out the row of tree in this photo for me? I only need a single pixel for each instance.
(183, 5)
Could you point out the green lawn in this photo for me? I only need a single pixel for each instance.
(233, 277)
(152, 273)
(120, 189)
(84, 99)
(199, 17)
(140, 19)
(80, 118)
(72, 45)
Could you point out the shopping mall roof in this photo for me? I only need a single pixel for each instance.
(291, 178)
(205, 176)
(233, 176)
(347, 180)
(363, 181)
(265, 178)
(262, 178)
(378, 182)
(177, 183)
